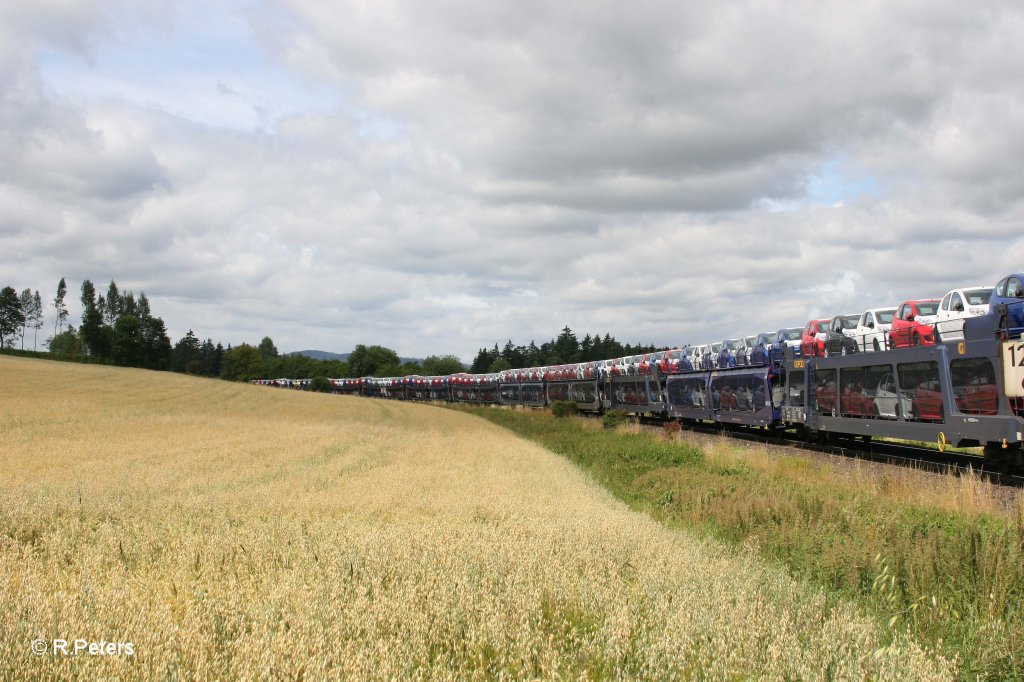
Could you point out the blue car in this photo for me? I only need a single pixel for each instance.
(788, 337)
(761, 349)
(1009, 291)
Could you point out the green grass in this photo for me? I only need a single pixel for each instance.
(955, 580)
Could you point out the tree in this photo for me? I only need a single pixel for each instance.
(65, 345)
(11, 317)
(128, 348)
(499, 365)
(267, 348)
(156, 345)
(96, 341)
(113, 307)
(320, 384)
(566, 347)
(37, 317)
(484, 359)
(25, 303)
(367, 361)
(142, 307)
(187, 351)
(60, 308)
(442, 365)
(241, 363)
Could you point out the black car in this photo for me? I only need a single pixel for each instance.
(836, 340)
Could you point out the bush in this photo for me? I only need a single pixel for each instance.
(613, 420)
(320, 385)
(563, 408)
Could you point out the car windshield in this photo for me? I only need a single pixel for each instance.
(885, 316)
(716, 347)
(849, 321)
(978, 296)
(927, 308)
(770, 338)
(733, 344)
(791, 334)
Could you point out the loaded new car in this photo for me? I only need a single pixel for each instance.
(958, 305)
(812, 341)
(873, 327)
(839, 335)
(914, 323)
(1009, 292)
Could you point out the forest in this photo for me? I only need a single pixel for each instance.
(120, 328)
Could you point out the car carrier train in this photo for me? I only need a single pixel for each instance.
(963, 392)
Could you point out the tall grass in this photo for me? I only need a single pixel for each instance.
(236, 532)
(939, 557)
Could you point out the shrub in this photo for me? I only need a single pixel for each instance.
(612, 420)
(320, 385)
(563, 408)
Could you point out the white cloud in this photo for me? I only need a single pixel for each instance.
(438, 177)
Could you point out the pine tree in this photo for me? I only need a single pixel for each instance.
(92, 330)
(37, 317)
(113, 309)
(25, 303)
(60, 307)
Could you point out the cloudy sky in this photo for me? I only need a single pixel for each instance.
(437, 176)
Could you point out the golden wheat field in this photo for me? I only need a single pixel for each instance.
(227, 531)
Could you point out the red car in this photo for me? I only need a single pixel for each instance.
(914, 323)
(856, 402)
(927, 403)
(812, 343)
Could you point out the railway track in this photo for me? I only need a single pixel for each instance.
(882, 452)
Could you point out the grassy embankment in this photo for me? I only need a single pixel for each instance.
(941, 558)
(238, 532)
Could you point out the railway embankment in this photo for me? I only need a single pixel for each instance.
(938, 557)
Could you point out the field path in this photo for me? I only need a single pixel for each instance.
(238, 532)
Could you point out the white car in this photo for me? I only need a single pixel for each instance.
(890, 403)
(956, 306)
(700, 351)
(872, 332)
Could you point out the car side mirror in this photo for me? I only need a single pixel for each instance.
(870, 324)
(910, 317)
(958, 306)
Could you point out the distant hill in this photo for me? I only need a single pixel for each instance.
(321, 355)
(327, 355)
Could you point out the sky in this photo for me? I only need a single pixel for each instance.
(440, 176)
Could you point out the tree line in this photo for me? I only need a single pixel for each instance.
(564, 349)
(119, 328)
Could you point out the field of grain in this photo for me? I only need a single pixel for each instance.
(236, 532)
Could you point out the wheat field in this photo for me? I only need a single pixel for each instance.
(227, 531)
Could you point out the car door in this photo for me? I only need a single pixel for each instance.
(900, 327)
(945, 308)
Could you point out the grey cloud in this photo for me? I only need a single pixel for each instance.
(619, 162)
